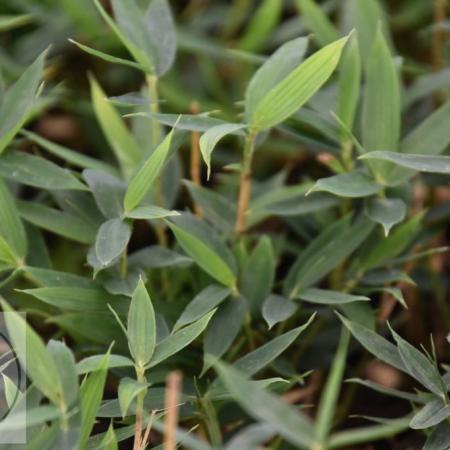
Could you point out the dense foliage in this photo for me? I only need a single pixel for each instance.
(226, 223)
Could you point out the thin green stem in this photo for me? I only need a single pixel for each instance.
(140, 375)
(328, 401)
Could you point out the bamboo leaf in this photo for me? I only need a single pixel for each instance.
(18, 101)
(116, 133)
(352, 184)
(264, 406)
(141, 326)
(277, 308)
(37, 172)
(111, 241)
(143, 181)
(328, 297)
(317, 22)
(212, 136)
(297, 88)
(128, 390)
(200, 242)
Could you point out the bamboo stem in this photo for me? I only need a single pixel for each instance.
(139, 411)
(195, 161)
(173, 388)
(245, 185)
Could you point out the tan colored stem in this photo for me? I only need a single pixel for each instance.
(146, 438)
(173, 389)
(438, 44)
(245, 184)
(139, 412)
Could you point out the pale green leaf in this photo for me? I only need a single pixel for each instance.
(143, 180)
(328, 297)
(111, 241)
(297, 88)
(141, 326)
(212, 136)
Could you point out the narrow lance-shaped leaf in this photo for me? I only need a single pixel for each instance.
(264, 406)
(38, 172)
(18, 101)
(317, 22)
(381, 108)
(141, 326)
(283, 61)
(118, 136)
(35, 358)
(420, 163)
(143, 181)
(328, 297)
(91, 393)
(11, 227)
(128, 390)
(352, 184)
(201, 243)
(297, 88)
(420, 367)
(180, 339)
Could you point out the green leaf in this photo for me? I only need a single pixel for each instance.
(151, 212)
(108, 192)
(63, 223)
(430, 415)
(381, 107)
(439, 439)
(264, 406)
(420, 163)
(212, 136)
(18, 101)
(109, 442)
(91, 396)
(111, 241)
(143, 181)
(10, 21)
(393, 245)
(106, 57)
(128, 390)
(420, 367)
(368, 17)
(277, 308)
(91, 363)
(11, 227)
(317, 22)
(327, 297)
(138, 54)
(35, 358)
(223, 329)
(325, 252)
(349, 85)
(37, 172)
(65, 363)
(261, 24)
(71, 156)
(386, 211)
(141, 326)
(283, 61)
(76, 298)
(201, 243)
(430, 137)
(297, 88)
(352, 184)
(205, 301)
(258, 275)
(116, 133)
(161, 31)
(360, 435)
(375, 344)
(177, 341)
(255, 361)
